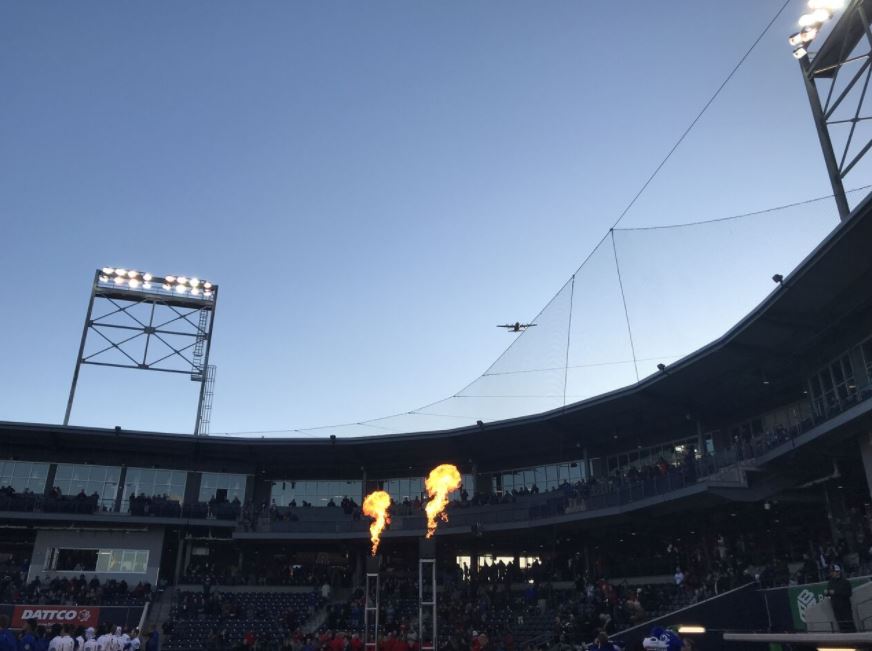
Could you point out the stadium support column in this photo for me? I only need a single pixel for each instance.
(371, 606)
(180, 556)
(428, 635)
(865, 441)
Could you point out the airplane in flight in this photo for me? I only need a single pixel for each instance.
(517, 326)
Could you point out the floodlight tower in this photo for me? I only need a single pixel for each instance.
(151, 323)
(848, 45)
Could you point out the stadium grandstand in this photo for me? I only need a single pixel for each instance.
(721, 492)
(744, 468)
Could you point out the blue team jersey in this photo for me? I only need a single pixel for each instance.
(8, 641)
(27, 643)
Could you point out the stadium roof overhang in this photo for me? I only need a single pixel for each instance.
(719, 380)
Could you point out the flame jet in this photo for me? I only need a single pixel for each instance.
(376, 506)
(441, 481)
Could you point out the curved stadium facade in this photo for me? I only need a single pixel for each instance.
(748, 459)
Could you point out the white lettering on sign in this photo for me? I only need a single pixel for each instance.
(56, 614)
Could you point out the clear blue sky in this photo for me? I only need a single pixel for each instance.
(374, 185)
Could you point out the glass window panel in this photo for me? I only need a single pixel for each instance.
(213, 482)
(826, 380)
(320, 492)
(838, 374)
(104, 556)
(73, 479)
(24, 475)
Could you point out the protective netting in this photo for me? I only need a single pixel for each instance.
(643, 296)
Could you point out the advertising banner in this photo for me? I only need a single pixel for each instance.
(49, 615)
(802, 596)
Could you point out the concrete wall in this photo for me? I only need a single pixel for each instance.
(819, 618)
(151, 539)
(861, 606)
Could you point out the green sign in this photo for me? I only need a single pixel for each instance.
(801, 597)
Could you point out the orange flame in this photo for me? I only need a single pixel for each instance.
(376, 506)
(442, 480)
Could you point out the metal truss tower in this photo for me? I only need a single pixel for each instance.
(428, 616)
(372, 606)
(151, 323)
(837, 81)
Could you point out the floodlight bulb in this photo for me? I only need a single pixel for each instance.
(132, 274)
(119, 280)
(800, 52)
(181, 280)
(194, 282)
(108, 271)
(195, 291)
(816, 17)
(134, 283)
(146, 285)
(795, 39)
(831, 5)
(167, 286)
(207, 285)
(208, 293)
(146, 277)
(807, 35)
(181, 289)
(104, 279)
(120, 272)
(170, 279)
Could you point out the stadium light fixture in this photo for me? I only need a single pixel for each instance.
(691, 630)
(137, 281)
(816, 17)
(661, 366)
(778, 278)
(820, 12)
(832, 5)
(802, 37)
(180, 319)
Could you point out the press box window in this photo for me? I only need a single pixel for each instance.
(116, 561)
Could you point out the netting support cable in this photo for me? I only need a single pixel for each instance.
(624, 300)
(755, 213)
(568, 339)
(699, 115)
